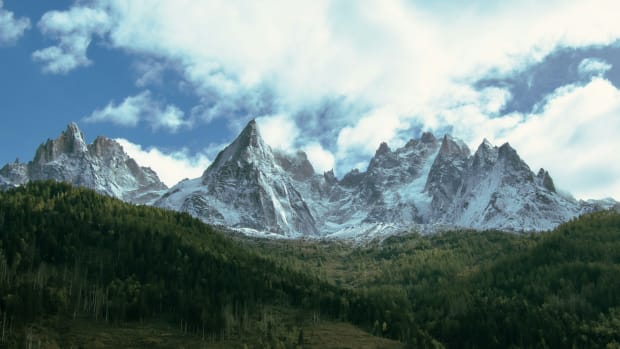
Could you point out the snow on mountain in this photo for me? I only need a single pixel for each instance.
(496, 189)
(246, 186)
(5, 184)
(428, 184)
(102, 165)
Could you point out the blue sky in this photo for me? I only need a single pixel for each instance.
(175, 81)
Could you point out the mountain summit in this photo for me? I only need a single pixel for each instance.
(429, 183)
(102, 165)
(246, 186)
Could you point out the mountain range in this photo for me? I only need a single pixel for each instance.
(102, 165)
(429, 184)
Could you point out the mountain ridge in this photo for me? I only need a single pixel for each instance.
(102, 165)
(429, 184)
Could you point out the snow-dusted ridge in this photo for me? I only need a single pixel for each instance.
(103, 166)
(426, 186)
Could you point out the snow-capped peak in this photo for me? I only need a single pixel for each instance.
(70, 141)
(427, 183)
(248, 147)
(102, 165)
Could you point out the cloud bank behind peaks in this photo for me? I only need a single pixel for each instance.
(11, 28)
(409, 65)
(171, 167)
(580, 125)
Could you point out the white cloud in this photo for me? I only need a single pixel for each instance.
(407, 63)
(74, 30)
(279, 131)
(391, 53)
(593, 66)
(366, 135)
(171, 167)
(575, 137)
(11, 28)
(141, 107)
(321, 159)
(125, 114)
(150, 72)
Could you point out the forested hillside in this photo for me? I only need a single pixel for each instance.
(71, 252)
(466, 289)
(69, 255)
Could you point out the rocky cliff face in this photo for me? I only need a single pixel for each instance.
(496, 189)
(429, 183)
(248, 186)
(102, 165)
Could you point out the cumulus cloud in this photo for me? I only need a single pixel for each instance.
(171, 167)
(407, 63)
(579, 124)
(142, 107)
(150, 72)
(279, 131)
(593, 67)
(321, 159)
(74, 30)
(11, 28)
(398, 52)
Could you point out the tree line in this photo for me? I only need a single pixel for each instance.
(70, 252)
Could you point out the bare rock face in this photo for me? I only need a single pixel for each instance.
(248, 186)
(14, 174)
(430, 183)
(5, 184)
(102, 165)
(497, 190)
(446, 176)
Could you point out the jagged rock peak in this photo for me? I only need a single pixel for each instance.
(452, 146)
(485, 145)
(508, 153)
(250, 136)
(506, 149)
(103, 146)
(353, 178)
(546, 180)
(431, 182)
(513, 163)
(330, 177)
(74, 138)
(248, 147)
(296, 164)
(70, 141)
(486, 150)
(102, 165)
(73, 129)
(428, 137)
(485, 156)
(383, 149)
